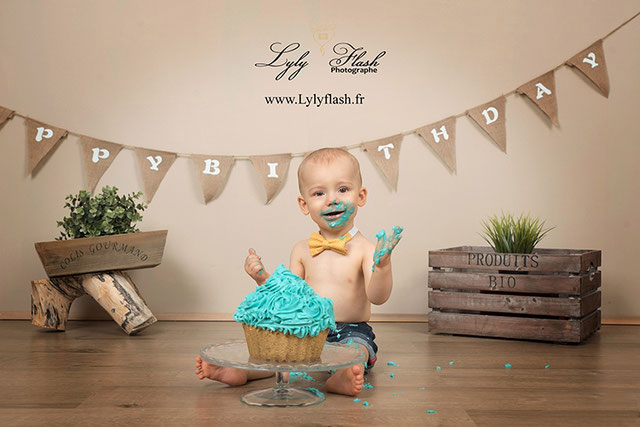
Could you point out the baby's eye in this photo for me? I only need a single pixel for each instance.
(318, 193)
(343, 189)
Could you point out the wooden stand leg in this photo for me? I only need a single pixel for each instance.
(114, 290)
(51, 300)
(116, 293)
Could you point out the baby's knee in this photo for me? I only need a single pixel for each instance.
(363, 348)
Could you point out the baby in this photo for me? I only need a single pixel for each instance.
(338, 262)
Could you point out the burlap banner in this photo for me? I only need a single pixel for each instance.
(41, 138)
(591, 62)
(542, 91)
(385, 153)
(154, 165)
(97, 156)
(5, 114)
(441, 137)
(492, 118)
(272, 170)
(213, 172)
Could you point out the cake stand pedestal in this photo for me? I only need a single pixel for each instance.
(236, 355)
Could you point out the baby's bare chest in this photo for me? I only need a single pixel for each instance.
(333, 273)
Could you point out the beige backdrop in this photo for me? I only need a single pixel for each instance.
(179, 76)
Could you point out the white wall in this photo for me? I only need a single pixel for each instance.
(179, 76)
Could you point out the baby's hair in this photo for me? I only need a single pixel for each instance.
(326, 156)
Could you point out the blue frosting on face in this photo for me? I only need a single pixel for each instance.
(347, 210)
(286, 303)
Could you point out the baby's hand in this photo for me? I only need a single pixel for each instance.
(385, 246)
(254, 268)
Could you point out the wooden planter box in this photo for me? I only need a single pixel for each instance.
(550, 295)
(94, 254)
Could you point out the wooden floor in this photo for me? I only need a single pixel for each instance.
(93, 374)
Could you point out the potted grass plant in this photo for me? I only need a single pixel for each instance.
(507, 234)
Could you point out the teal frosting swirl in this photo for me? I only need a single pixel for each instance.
(286, 303)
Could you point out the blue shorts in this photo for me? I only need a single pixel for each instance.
(360, 333)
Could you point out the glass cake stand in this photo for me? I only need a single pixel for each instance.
(235, 354)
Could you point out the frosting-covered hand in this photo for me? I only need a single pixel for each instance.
(287, 304)
(385, 246)
(254, 268)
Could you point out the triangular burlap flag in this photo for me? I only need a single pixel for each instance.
(385, 153)
(492, 118)
(154, 165)
(213, 172)
(542, 91)
(272, 170)
(5, 114)
(591, 62)
(41, 138)
(97, 156)
(441, 137)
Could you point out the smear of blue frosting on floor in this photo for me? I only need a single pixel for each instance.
(315, 391)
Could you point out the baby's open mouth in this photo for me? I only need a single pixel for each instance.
(332, 215)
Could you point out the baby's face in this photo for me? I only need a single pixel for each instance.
(331, 194)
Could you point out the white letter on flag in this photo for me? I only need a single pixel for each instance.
(99, 153)
(386, 150)
(542, 90)
(272, 170)
(43, 133)
(154, 162)
(443, 132)
(591, 60)
(486, 112)
(211, 163)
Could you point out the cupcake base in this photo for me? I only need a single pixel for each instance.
(280, 347)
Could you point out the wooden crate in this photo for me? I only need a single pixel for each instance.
(94, 254)
(550, 295)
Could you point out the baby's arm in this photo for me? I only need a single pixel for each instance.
(254, 268)
(377, 266)
(295, 262)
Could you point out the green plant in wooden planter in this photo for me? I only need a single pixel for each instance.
(104, 214)
(507, 234)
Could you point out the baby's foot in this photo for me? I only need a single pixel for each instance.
(347, 381)
(230, 376)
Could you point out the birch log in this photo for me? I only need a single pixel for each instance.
(114, 290)
(118, 295)
(51, 300)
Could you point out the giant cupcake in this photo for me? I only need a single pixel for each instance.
(284, 320)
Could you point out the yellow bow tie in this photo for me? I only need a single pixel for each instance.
(317, 243)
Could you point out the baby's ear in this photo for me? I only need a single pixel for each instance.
(303, 205)
(362, 197)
